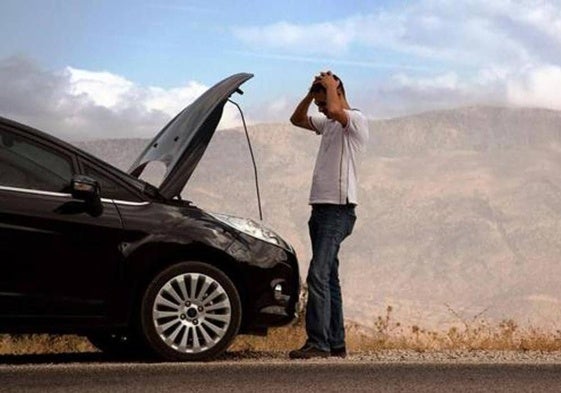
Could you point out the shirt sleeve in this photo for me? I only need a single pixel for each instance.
(318, 123)
(357, 125)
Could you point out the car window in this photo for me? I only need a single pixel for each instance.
(109, 188)
(27, 164)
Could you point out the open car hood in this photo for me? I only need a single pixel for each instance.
(181, 144)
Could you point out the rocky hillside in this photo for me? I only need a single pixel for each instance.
(459, 210)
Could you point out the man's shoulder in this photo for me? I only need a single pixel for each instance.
(357, 118)
(355, 112)
(357, 127)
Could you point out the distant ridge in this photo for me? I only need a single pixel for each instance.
(458, 208)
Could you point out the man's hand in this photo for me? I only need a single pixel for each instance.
(333, 105)
(327, 80)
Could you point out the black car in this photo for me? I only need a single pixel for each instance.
(88, 249)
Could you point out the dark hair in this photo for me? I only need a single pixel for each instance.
(317, 87)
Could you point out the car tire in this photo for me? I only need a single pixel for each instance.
(191, 311)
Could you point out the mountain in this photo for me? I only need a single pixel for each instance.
(458, 209)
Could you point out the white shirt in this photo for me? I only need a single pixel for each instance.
(335, 173)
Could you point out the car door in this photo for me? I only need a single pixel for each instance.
(57, 259)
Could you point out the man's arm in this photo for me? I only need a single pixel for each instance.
(335, 108)
(300, 116)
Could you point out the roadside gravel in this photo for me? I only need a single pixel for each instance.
(410, 356)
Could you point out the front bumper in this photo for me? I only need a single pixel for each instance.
(274, 298)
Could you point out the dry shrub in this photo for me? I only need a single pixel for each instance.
(387, 334)
(384, 334)
(42, 343)
(473, 334)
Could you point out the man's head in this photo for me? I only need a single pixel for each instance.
(319, 92)
(317, 86)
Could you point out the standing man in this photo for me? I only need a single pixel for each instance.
(344, 134)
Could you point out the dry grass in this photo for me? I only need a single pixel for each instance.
(475, 334)
(385, 334)
(42, 343)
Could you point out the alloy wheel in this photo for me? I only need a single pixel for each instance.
(192, 312)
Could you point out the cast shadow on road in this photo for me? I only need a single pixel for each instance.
(62, 358)
(100, 357)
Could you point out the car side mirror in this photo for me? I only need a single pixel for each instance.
(88, 190)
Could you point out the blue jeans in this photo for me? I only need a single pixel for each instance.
(329, 226)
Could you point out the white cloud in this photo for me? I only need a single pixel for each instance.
(80, 104)
(544, 16)
(404, 94)
(529, 86)
(500, 52)
(171, 101)
(116, 93)
(447, 81)
(538, 87)
(473, 32)
(103, 88)
(492, 74)
(330, 38)
(322, 60)
(436, 54)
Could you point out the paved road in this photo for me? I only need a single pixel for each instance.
(93, 374)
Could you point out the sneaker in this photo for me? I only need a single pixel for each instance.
(308, 352)
(339, 352)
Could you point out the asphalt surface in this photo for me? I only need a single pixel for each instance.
(92, 373)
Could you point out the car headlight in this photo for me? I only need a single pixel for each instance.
(249, 227)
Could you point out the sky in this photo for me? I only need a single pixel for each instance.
(90, 69)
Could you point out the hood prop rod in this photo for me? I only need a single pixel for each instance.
(252, 159)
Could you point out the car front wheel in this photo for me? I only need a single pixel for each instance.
(190, 311)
